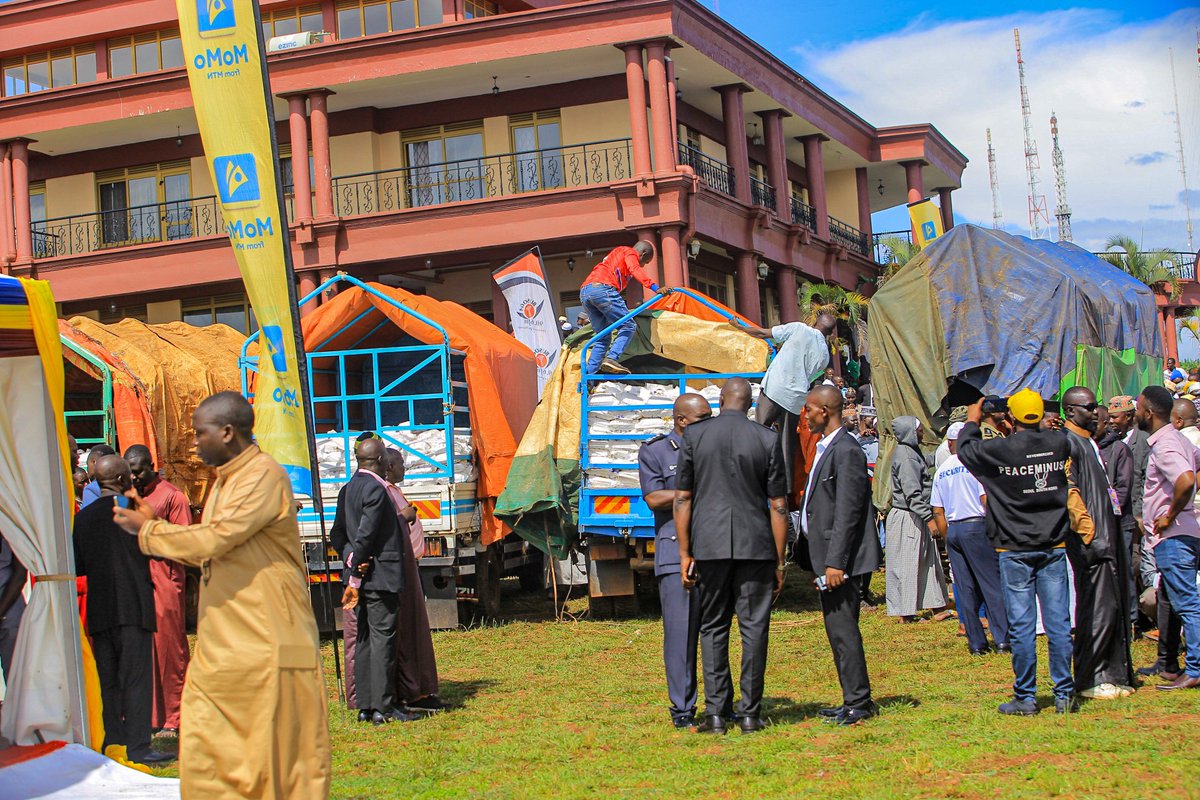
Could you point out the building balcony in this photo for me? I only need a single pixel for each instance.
(716, 175)
(190, 218)
(847, 236)
(803, 214)
(570, 167)
(763, 194)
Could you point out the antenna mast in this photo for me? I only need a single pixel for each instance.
(1062, 211)
(997, 216)
(1187, 202)
(1039, 217)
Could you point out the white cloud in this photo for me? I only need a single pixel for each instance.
(1108, 82)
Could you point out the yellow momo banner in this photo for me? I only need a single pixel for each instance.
(926, 221)
(227, 74)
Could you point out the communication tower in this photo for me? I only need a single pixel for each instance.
(1062, 211)
(1039, 217)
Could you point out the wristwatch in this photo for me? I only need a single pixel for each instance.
(781, 568)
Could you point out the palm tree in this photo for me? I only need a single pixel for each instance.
(1155, 268)
(899, 251)
(823, 298)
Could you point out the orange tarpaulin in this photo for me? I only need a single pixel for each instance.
(501, 372)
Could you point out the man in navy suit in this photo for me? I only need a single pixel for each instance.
(657, 462)
(838, 522)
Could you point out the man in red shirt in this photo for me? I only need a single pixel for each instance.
(171, 653)
(602, 299)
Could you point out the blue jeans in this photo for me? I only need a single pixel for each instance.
(1030, 578)
(604, 306)
(1178, 560)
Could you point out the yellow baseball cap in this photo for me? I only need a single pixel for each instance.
(1027, 406)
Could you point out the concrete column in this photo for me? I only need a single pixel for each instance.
(736, 151)
(947, 206)
(306, 284)
(635, 88)
(1171, 340)
(660, 107)
(785, 287)
(814, 167)
(671, 88)
(8, 246)
(777, 161)
(452, 11)
(499, 305)
(864, 201)
(330, 293)
(674, 267)
(20, 183)
(914, 180)
(101, 59)
(301, 180)
(322, 174)
(747, 286)
(654, 268)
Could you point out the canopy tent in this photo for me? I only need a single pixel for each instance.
(982, 311)
(46, 697)
(541, 500)
(178, 365)
(501, 373)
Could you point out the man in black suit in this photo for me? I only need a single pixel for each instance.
(120, 613)
(731, 522)
(839, 524)
(367, 531)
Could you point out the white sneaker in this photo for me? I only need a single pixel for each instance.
(1105, 691)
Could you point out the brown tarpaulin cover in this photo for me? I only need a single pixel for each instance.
(179, 365)
(501, 372)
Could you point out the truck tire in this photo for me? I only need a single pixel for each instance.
(489, 567)
(532, 574)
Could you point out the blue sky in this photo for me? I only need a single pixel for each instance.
(1101, 66)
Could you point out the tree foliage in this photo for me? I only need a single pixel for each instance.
(1157, 269)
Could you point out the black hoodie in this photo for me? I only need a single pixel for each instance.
(1026, 482)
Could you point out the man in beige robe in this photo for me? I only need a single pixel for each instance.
(254, 719)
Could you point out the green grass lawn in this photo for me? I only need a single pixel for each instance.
(578, 709)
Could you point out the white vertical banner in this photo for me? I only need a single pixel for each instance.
(531, 311)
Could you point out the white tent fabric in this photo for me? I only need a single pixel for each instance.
(45, 694)
(74, 772)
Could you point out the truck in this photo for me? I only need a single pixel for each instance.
(618, 414)
(369, 375)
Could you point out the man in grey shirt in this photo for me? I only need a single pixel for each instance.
(801, 359)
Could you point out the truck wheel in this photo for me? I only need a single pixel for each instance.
(489, 566)
(532, 574)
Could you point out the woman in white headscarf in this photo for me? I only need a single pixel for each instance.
(914, 569)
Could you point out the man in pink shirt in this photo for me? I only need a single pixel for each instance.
(171, 654)
(1171, 520)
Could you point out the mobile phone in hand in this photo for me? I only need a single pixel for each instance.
(122, 501)
(691, 571)
(820, 583)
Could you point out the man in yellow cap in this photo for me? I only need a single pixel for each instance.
(1024, 476)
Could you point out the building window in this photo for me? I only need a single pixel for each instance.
(146, 52)
(115, 313)
(289, 182)
(371, 17)
(287, 21)
(42, 247)
(445, 164)
(709, 281)
(536, 140)
(145, 204)
(37, 72)
(692, 137)
(483, 308)
(227, 309)
(474, 9)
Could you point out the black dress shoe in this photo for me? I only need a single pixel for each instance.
(830, 713)
(751, 724)
(1005, 648)
(379, 718)
(364, 716)
(853, 716)
(430, 704)
(150, 758)
(982, 651)
(712, 724)
(685, 721)
(404, 714)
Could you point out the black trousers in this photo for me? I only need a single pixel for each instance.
(726, 587)
(125, 666)
(681, 632)
(976, 579)
(773, 415)
(375, 650)
(840, 608)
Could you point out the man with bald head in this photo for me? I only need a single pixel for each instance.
(370, 535)
(120, 612)
(254, 718)
(731, 521)
(657, 462)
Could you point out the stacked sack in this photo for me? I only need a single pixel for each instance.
(331, 455)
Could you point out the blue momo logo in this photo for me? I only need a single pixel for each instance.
(274, 336)
(215, 17)
(237, 179)
(928, 231)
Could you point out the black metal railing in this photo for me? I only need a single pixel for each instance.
(803, 214)
(86, 233)
(761, 193)
(1183, 268)
(716, 175)
(882, 251)
(481, 178)
(847, 236)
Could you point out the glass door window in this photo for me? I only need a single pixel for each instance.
(445, 169)
(539, 156)
(42, 247)
(146, 206)
(177, 205)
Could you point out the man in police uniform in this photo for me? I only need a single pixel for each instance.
(680, 607)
